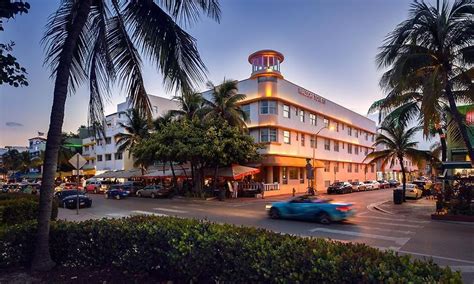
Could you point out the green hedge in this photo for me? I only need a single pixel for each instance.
(17, 208)
(183, 250)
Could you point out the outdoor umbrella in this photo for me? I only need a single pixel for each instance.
(234, 171)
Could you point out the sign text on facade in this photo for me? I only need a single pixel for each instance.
(311, 95)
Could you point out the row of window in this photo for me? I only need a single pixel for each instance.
(351, 167)
(271, 107)
(271, 135)
(108, 157)
(294, 173)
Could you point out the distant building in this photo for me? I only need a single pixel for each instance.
(103, 154)
(36, 145)
(457, 151)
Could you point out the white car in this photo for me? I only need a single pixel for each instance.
(412, 191)
(371, 184)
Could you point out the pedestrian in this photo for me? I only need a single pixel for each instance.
(236, 188)
(294, 191)
(262, 191)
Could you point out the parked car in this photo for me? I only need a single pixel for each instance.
(70, 201)
(96, 186)
(311, 208)
(424, 185)
(393, 183)
(383, 184)
(116, 191)
(371, 184)
(153, 191)
(131, 186)
(340, 187)
(68, 186)
(358, 186)
(412, 191)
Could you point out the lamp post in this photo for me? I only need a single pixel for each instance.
(314, 152)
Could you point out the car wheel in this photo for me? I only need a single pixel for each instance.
(139, 194)
(274, 213)
(324, 218)
(152, 195)
(117, 197)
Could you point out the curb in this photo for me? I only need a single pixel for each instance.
(375, 206)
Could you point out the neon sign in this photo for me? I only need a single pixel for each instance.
(311, 95)
(470, 117)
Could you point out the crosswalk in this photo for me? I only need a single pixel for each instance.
(156, 212)
(374, 229)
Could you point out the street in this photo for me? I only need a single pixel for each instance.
(448, 243)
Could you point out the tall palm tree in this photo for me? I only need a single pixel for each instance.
(224, 103)
(97, 40)
(190, 103)
(398, 144)
(136, 129)
(433, 51)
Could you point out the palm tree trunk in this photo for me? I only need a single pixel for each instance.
(175, 183)
(444, 147)
(41, 258)
(459, 121)
(404, 178)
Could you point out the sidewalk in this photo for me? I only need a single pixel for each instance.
(421, 208)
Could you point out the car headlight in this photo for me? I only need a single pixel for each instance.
(268, 207)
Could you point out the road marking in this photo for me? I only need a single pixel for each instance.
(362, 213)
(437, 256)
(170, 210)
(398, 220)
(355, 221)
(462, 268)
(140, 212)
(385, 230)
(398, 241)
(116, 215)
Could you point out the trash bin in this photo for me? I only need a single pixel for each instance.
(398, 196)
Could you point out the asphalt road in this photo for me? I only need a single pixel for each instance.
(448, 243)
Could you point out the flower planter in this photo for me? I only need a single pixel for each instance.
(447, 217)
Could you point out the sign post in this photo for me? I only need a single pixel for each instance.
(77, 161)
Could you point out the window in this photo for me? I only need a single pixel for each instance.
(108, 140)
(342, 125)
(326, 166)
(284, 175)
(313, 142)
(366, 136)
(356, 150)
(349, 168)
(301, 115)
(108, 157)
(372, 137)
(301, 175)
(336, 126)
(268, 107)
(372, 168)
(356, 133)
(286, 137)
(246, 109)
(293, 173)
(349, 131)
(336, 146)
(349, 148)
(86, 148)
(356, 168)
(302, 139)
(286, 111)
(118, 156)
(366, 151)
(343, 145)
(99, 158)
(155, 109)
(327, 183)
(312, 119)
(268, 135)
(326, 122)
(336, 167)
(327, 144)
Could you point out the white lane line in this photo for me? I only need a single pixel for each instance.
(385, 230)
(116, 215)
(437, 256)
(397, 220)
(140, 212)
(398, 241)
(170, 210)
(356, 221)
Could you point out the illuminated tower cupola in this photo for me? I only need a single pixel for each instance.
(266, 63)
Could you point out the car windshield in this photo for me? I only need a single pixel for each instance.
(355, 183)
(367, 182)
(338, 183)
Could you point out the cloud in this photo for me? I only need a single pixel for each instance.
(13, 124)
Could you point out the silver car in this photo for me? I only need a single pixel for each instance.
(358, 186)
(153, 191)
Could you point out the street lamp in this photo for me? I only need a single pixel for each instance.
(314, 149)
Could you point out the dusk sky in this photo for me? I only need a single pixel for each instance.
(329, 48)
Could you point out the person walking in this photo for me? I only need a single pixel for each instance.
(236, 188)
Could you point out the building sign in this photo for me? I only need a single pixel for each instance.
(470, 117)
(311, 95)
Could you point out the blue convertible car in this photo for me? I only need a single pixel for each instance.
(117, 192)
(311, 208)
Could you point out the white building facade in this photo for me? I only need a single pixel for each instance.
(296, 124)
(103, 155)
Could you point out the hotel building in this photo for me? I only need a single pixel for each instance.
(295, 123)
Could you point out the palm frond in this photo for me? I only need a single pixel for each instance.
(189, 11)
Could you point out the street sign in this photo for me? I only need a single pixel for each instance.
(77, 161)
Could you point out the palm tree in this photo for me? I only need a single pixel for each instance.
(190, 103)
(97, 40)
(224, 103)
(136, 129)
(432, 51)
(398, 144)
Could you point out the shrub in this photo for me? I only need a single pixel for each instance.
(186, 250)
(17, 208)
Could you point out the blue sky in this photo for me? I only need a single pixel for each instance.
(329, 48)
